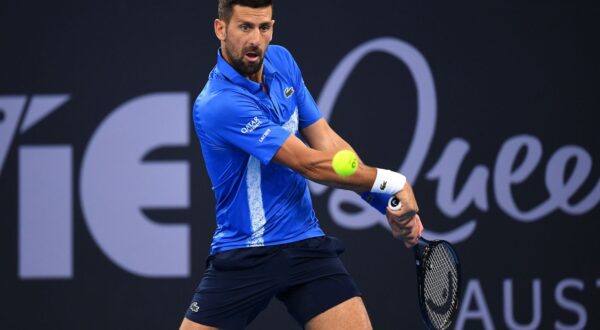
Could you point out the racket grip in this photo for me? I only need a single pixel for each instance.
(394, 203)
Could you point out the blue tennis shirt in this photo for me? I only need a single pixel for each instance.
(240, 128)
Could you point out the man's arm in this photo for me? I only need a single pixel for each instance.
(314, 163)
(321, 136)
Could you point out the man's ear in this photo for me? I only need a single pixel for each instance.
(220, 27)
(272, 27)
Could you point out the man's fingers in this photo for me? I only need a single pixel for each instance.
(404, 218)
(401, 232)
(410, 243)
(412, 240)
(405, 222)
(418, 226)
(408, 230)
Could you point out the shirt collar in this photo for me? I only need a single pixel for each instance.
(230, 73)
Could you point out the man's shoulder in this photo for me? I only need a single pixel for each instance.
(217, 95)
(280, 56)
(278, 51)
(218, 104)
(218, 90)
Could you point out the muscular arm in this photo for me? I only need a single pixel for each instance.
(314, 161)
(322, 137)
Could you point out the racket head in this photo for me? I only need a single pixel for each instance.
(439, 282)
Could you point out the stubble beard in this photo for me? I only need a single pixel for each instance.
(245, 69)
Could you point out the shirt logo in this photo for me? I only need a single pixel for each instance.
(288, 92)
(251, 126)
(194, 307)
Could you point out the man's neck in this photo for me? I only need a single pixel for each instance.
(257, 77)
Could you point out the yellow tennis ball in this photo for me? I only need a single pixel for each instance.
(345, 163)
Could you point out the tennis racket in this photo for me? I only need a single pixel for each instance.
(438, 279)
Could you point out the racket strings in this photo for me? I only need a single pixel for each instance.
(440, 290)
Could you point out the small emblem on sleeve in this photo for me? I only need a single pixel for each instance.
(194, 307)
(262, 138)
(288, 92)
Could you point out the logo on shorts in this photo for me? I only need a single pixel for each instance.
(194, 307)
(288, 92)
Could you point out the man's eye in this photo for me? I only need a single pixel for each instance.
(244, 27)
(265, 27)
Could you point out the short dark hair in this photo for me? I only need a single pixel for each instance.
(226, 6)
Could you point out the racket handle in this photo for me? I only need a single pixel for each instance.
(394, 203)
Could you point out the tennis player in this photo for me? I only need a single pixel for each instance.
(250, 118)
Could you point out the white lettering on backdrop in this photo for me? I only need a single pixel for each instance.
(506, 172)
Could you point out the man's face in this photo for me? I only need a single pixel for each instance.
(244, 40)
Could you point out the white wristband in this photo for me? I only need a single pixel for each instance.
(388, 182)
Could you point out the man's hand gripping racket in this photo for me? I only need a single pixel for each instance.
(438, 278)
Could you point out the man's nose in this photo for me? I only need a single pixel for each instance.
(254, 37)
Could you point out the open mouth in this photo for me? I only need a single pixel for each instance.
(252, 56)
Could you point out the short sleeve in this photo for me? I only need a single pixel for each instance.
(236, 119)
(308, 112)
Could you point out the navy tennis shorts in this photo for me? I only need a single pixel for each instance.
(307, 276)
